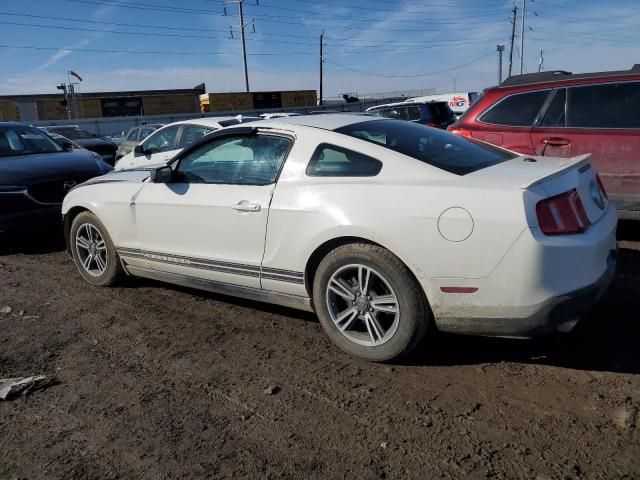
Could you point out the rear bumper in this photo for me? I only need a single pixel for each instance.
(557, 314)
(542, 284)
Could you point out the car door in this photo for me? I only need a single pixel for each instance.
(603, 120)
(159, 147)
(210, 221)
(508, 123)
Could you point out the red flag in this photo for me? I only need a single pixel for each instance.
(71, 72)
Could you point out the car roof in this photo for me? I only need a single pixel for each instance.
(328, 121)
(404, 104)
(213, 121)
(560, 76)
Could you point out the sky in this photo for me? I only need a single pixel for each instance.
(369, 45)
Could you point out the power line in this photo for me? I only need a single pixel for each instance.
(167, 27)
(334, 19)
(344, 27)
(410, 75)
(399, 45)
(95, 50)
(482, 6)
(147, 6)
(370, 19)
(120, 32)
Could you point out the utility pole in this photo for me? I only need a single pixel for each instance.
(524, 7)
(244, 48)
(321, 62)
(455, 82)
(242, 26)
(500, 49)
(541, 62)
(513, 36)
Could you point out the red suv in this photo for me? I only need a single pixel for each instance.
(562, 115)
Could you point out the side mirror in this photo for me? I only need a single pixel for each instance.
(161, 175)
(138, 150)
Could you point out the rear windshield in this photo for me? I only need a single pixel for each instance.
(72, 133)
(436, 147)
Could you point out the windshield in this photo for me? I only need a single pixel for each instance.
(72, 133)
(436, 147)
(23, 140)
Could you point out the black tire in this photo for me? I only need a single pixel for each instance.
(113, 270)
(415, 317)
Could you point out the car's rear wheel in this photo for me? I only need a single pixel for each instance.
(369, 303)
(93, 251)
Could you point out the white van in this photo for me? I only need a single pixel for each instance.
(458, 101)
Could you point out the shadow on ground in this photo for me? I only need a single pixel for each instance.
(606, 340)
(40, 240)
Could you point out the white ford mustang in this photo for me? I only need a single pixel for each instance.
(386, 229)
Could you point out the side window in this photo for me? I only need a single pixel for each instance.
(238, 160)
(332, 161)
(413, 113)
(396, 112)
(162, 140)
(605, 106)
(132, 136)
(145, 132)
(191, 133)
(519, 110)
(555, 113)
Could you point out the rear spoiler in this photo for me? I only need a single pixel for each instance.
(570, 163)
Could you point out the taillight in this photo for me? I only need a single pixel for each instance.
(601, 185)
(562, 214)
(463, 132)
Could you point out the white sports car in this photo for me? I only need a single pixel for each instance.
(386, 229)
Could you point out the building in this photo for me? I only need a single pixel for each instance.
(241, 101)
(52, 106)
(9, 111)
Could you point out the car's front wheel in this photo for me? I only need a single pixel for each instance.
(93, 251)
(369, 303)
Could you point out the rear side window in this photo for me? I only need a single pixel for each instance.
(396, 112)
(413, 113)
(605, 106)
(440, 111)
(436, 147)
(332, 161)
(519, 110)
(555, 116)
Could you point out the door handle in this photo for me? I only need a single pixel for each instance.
(556, 141)
(246, 207)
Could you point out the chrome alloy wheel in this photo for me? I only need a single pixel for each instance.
(362, 305)
(91, 250)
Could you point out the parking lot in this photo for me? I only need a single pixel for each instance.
(157, 381)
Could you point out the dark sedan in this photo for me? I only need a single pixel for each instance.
(35, 175)
(105, 148)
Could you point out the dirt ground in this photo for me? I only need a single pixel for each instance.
(155, 381)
